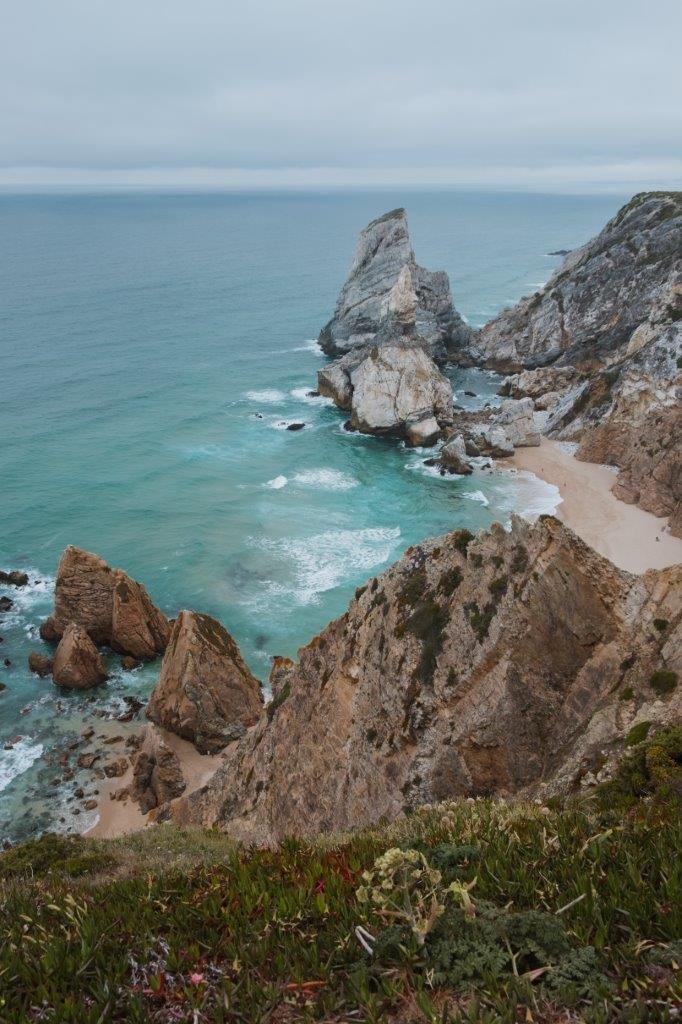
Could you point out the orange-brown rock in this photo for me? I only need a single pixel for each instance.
(157, 773)
(39, 664)
(77, 662)
(205, 692)
(110, 606)
(509, 663)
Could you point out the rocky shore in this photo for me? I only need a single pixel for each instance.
(512, 663)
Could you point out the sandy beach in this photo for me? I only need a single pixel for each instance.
(631, 538)
(121, 817)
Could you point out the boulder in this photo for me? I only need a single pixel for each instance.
(422, 433)
(396, 385)
(14, 578)
(39, 664)
(205, 692)
(157, 772)
(6, 603)
(453, 456)
(110, 606)
(77, 662)
(517, 419)
(387, 292)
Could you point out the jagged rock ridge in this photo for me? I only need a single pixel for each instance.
(388, 295)
(502, 664)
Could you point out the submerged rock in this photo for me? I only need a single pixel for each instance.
(205, 692)
(487, 665)
(77, 662)
(388, 293)
(111, 607)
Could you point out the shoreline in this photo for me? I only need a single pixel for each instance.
(628, 536)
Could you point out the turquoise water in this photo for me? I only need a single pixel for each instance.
(152, 350)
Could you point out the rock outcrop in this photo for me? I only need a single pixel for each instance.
(387, 294)
(39, 664)
(14, 578)
(393, 389)
(157, 772)
(77, 663)
(453, 456)
(600, 296)
(610, 323)
(205, 692)
(111, 607)
(507, 663)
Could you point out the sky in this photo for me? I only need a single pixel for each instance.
(583, 94)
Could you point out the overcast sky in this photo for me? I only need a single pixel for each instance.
(529, 93)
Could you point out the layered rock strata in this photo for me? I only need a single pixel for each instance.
(507, 663)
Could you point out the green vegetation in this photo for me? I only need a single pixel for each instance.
(638, 733)
(427, 623)
(461, 540)
(516, 913)
(653, 769)
(663, 681)
(279, 699)
(661, 625)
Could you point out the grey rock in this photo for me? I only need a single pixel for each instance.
(387, 294)
(453, 456)
(517, 419)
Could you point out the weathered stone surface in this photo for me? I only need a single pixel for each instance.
(77, 662)
(599, 296)
(492, 665)
(14, 578)
(157, 772)
(453, 456)
(391, 389)
(205, 692)
(110, 606)
(388, 294)
(516, 417)
(39, 664)
(538, 382)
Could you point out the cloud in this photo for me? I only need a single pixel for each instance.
(497, 91)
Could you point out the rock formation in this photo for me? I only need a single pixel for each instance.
(39, 664)
(610, 323)
(110, 606)
(15, 578)
(205, 692)
(507, 663)
(157, 773)
(387, 295)
(453, 456)
(393, 389)
(600, 296)
(77, 663)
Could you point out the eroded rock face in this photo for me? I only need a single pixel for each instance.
(110, 606)
(506, 663)
(205, 692)
(387, 294)
(157, 773)
(601, 294)
(394, 389)
(77, 663)
(516, 418)
(39, 664)
(453, 456)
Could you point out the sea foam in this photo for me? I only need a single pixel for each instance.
(326, 479)
(18, 760)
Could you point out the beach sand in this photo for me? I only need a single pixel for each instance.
(631, 538)
(121, 817)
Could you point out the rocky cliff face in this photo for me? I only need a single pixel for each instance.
(505, 663)
(610, 323)
(388, 295)
(601, 294)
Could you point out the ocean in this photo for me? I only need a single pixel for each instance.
(153, 348)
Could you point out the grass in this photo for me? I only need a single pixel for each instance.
(174, 924)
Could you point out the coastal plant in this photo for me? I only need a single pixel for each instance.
(403, 889)
(663, 682)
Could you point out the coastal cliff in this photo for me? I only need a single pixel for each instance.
(506, 663)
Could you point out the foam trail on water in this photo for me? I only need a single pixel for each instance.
(270, 396)
(476, 496)
(18, 760)
(326, 479)
(276, 483)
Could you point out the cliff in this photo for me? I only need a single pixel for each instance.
(509, 663)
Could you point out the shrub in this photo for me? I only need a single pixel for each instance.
(449, 581)
(627, 693)
(638, 733)
(663, 681)
(279, 699)
(461, 540)
(427, 623)
(498, 586)
(661, 625)
(414, 587)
